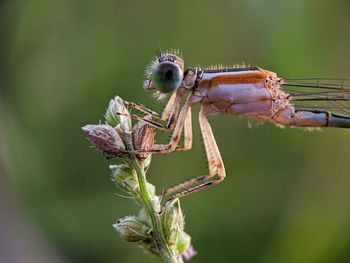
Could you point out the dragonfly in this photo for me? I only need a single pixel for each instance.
(253, 92)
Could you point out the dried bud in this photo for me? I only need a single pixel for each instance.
(125, 178)
(117, 113)
(105, 138)
(189, 253)
(132, 229)
(143, 138)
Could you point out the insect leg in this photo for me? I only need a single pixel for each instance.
(170, 113)
(163, 116)
(188, 136)
(215, 163)
(174, 141)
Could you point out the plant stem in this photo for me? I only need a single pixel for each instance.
(157, 229)
(163, 249)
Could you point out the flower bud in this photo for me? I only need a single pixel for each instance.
(172, 216)
(172, 237)
(173, 222)
(183, 242)
(143, 138)
(143, 215)
(155, 199)
(151, 189)
(125, 178)
(147, 162)
(117, 113)
(132, 229)
(105, 138)
(149, 246)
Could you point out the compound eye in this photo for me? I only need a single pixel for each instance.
(167, 77)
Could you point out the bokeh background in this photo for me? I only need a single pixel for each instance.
(286, 197)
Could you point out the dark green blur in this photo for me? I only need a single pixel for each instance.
(286, 195)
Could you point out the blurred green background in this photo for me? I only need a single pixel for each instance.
(286, 197)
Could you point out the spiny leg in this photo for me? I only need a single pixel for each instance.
(173, 144)
(165, 114)
(188, 135)
(174, 141)
(170, 113)
(211, 165)
(175, 138)
(143, 109)
(215, 164)
(174, 100)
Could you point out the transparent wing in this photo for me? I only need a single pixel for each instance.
(329, 94)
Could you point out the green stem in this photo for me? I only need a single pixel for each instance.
(157, 229)
(161, 244)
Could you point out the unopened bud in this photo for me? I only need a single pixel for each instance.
(149, 246)
(117, 113)
(173, 222)
(183, 242)
(132, 229)
(155, 199)
(143, 215)
(172, 216)
(147, 162)
(125, 178)
(172, 237)
(105, 138)
(143, 138)
(151, 189)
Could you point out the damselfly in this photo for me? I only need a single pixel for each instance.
(253, 92)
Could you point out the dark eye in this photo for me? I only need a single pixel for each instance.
(167, 77)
